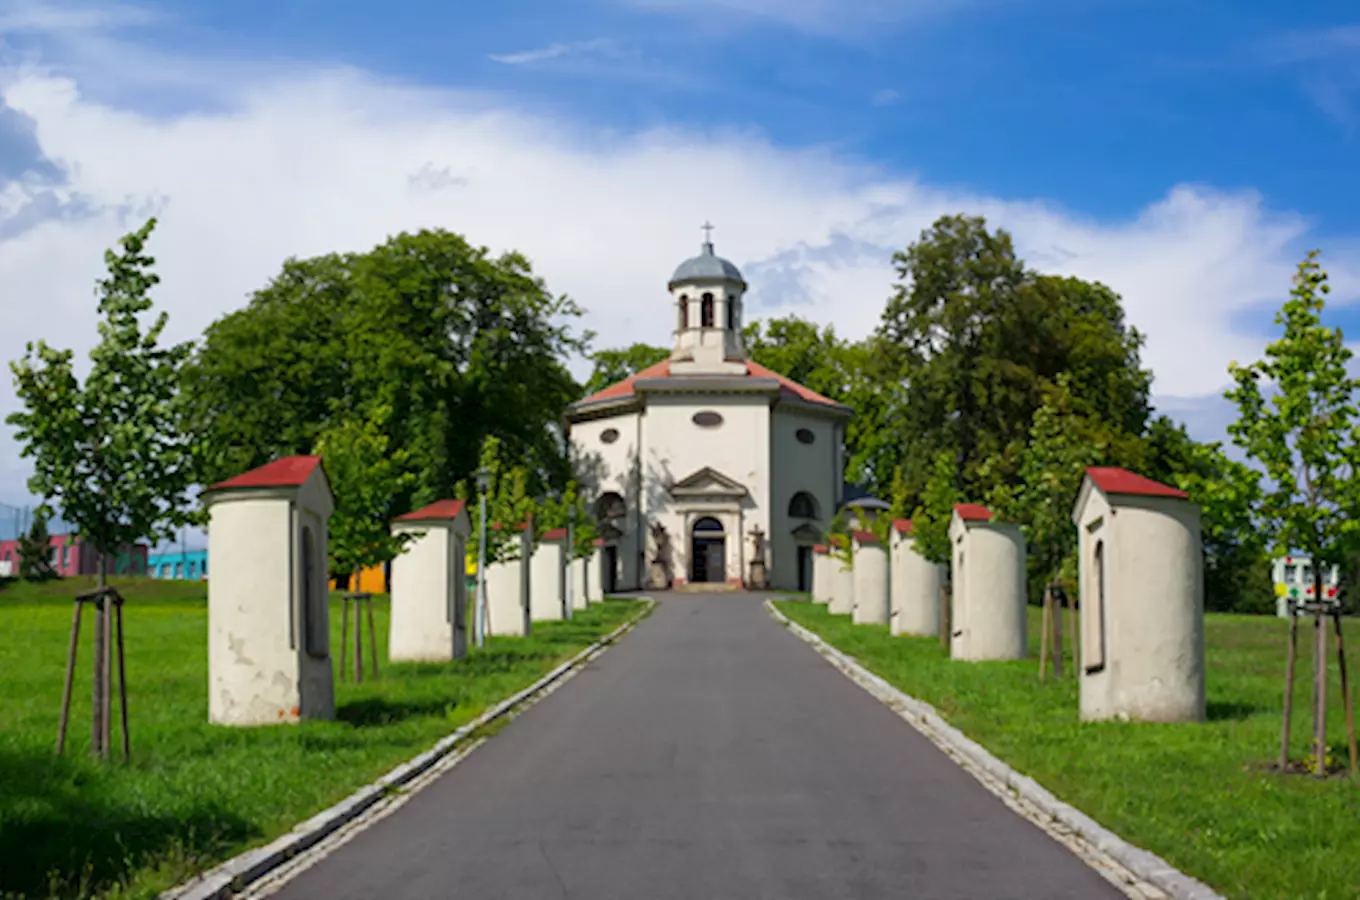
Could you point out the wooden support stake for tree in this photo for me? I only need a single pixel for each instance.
(1320, 693)
(70, 677)
(107, 603)
(372, 636)
(358, 645)
(1057, 634)
(1072, 621)
(97, 690)
(122, 682)
(344, 634)
(945, 588)
(1044, 632)
(1346, 693)
(1289, 684)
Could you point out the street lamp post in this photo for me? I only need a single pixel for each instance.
(483, 483)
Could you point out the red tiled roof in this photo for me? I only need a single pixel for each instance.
(819, 548)
(290, 471)
(866, 537)
(555, 534)
(902, 526)
(1113, 480)
(599, 542)
(971, 512)
(440, 509)
(787, 387)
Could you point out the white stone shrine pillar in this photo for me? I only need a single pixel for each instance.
(547, 579)
(1141, 574)
(840, 584)
(429, 587)
(576, 571)
(507, 591)
(821, 575)
(268, 599)
(915, 583)
(870, 579)
(594, 565)
(988, 618)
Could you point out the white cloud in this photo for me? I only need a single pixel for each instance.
(552, 51)
(830, 17)
(29, 17)
(303, 163)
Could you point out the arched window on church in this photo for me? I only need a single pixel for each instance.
(803, 506)
(610, 506)
(731, 313)
(706, 311)
(684, 312)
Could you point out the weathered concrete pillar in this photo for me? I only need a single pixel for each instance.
(576, 571)
(840, 584)
(547, 579)
(870, 576)
(915, 585)
(988, 618)
(595, 573)
(268, 604)
(1141, 570)
(507, 592)
(821, 575)
(429, 587)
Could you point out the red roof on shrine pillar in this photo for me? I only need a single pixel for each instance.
(1113, 480)
(290, 471)
(902, 526)
(972, 512)
(440, 509)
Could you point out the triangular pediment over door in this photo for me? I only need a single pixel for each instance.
(807, 533)
(708, 483)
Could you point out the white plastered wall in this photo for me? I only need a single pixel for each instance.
(915, 583)
(507, 596)
(613, 467)
(840, 586)
(577, 570)
(429, 594)
(821, 577)
(988, 617)
(1142, 649)
(547, 587)
(798, 467)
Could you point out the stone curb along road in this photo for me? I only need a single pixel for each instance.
(1115, 858)
(240, 872)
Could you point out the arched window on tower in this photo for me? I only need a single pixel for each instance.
(803, 506)
(731, 313)
(684, 312)
(706, 311)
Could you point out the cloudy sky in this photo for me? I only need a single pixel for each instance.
(1186, 152)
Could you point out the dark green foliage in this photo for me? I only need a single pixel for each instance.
(613, 366)
(35, 552)
(457, 345)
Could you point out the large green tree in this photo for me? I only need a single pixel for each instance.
(975, 339)
(458, 344)
(611, 366)
(110, 454)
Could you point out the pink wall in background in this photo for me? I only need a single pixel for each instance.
(72, 556)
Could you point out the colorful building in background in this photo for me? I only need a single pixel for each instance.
(378, 579)
(70, 555)
(191, 565)
(1293, 576)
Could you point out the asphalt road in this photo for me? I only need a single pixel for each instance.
(711, 754)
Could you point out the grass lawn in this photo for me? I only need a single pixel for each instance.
(1193, 794)
(195, 794)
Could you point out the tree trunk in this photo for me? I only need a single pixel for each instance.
(1319, 693)
(1045, 630)
(1057, 628)
(101, 653)
(945, 588)
(1289, 684)
(1346, 694)
(1076, 635)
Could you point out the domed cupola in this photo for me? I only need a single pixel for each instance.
(707, 291)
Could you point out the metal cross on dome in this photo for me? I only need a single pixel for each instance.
(707, 229)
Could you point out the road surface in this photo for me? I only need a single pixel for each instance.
(710, 754)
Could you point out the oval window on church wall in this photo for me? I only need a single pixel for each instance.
(805, 436)
(609, 435)
(707, 419)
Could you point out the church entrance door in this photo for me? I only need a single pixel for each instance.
(708, 551)
(804, 567)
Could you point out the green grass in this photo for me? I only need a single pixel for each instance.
(1196, 795)
(195, 794)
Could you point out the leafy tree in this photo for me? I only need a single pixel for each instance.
(366, 477)
(1307, 438)
(555, 512)
(1062, 444)
(613, 366)
(508, 505)
(930, 519)
(110, 453)
(457, 344)
(35, 552)
(975, 340)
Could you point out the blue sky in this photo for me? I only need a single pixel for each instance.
(1187, 153)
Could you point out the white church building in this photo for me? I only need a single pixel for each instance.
(708, 467)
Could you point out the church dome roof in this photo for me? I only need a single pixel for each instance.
(707, 266)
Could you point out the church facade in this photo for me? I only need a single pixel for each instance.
(708, 467)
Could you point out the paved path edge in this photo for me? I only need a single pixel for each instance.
(975, 759)
(241, 871)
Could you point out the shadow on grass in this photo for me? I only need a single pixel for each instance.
(378, 711)
(1221, 711)
(67, 830)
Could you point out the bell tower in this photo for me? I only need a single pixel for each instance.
(706, 293)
